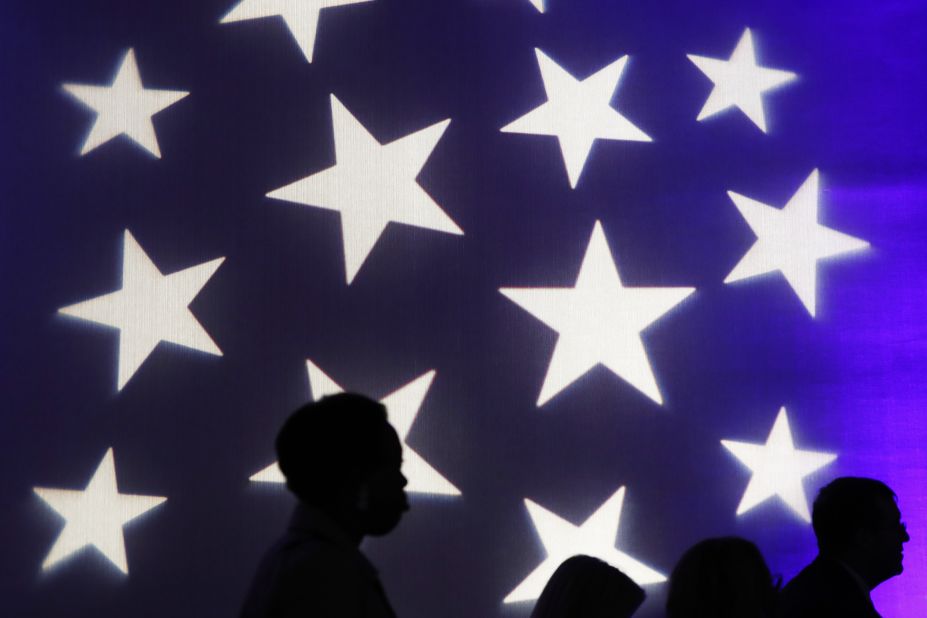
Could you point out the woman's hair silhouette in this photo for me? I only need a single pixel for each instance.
(721, 578)
(586, 587)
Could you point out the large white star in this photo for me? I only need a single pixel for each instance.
(301, 16)
(595, 537)
(599, 321)
(778, 468)
(95, 515)
(577, 112)
(739, 82)
(402, 406)
(149, 308)
(371, 185)
(791, 241)
(124, 107)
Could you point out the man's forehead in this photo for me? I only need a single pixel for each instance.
(888, 508)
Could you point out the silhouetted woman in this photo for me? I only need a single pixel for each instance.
(586, 587)
(722, 578)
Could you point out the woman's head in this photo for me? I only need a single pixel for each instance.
(721, 578)
(586, 587)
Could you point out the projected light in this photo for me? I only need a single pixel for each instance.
(577, 112)
(301, 16)
(149, 308)
(371, 185)
(403, 406)
(539, 5)
(739, 82)
(777, 468)
(599, 321)
(594, 537)
(791, 241)
(95, 516)
(125, 107)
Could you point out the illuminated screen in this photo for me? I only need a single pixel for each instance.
(626, 275)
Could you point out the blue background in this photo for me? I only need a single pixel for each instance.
(194, 427)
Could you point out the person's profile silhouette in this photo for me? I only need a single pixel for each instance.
(586, 587)
(861, 541)
(342, 460)
(723, 577)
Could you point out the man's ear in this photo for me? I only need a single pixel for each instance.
(362, 498)
(863, 538)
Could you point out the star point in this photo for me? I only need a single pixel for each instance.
(372, 185)
(790, 241)
(599, 321)
(300, 16)
(577, 112)
(95, 516)
(402, 406)
(595, 537)
(777, 468)
(149, 308)
(125, 107)
(739, 82)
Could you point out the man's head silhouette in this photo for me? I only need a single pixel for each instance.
(857, 521)
(340, 455)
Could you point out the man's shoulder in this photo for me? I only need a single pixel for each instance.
(823, 589)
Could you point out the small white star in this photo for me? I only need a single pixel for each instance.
(595, 537)
(778, 468)
(739, 82)
(402, 406)
(300, 16)
(124, 107)
(95, 516)
(149, 308)
(790, 241)
(371, 185)
(577, 112)
(599, 321)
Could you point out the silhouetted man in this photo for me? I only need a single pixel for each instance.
(860, 545)
(342, 459)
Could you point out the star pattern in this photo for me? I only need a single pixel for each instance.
(403, 406)
(300, 16)
(95, 516)
(790, 241)
(739, 82)
(371, 185)
(577, 112)
(149, 308)
(599, 320)
(777, 468)
(125, 107)
(594, 537)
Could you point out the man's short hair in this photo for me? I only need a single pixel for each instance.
(330, 445)
(845, 506)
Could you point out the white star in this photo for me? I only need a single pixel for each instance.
(739, 82)
(402, 406)
(577, 112)
(371, 185)
(595, 537)
(791, 241)
(95, 516)
(149, 308)
(538, 4)
(599, 321)
(124, 107)
(301, 16)
(778, 468)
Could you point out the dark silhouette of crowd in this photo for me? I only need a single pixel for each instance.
(342, 460)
